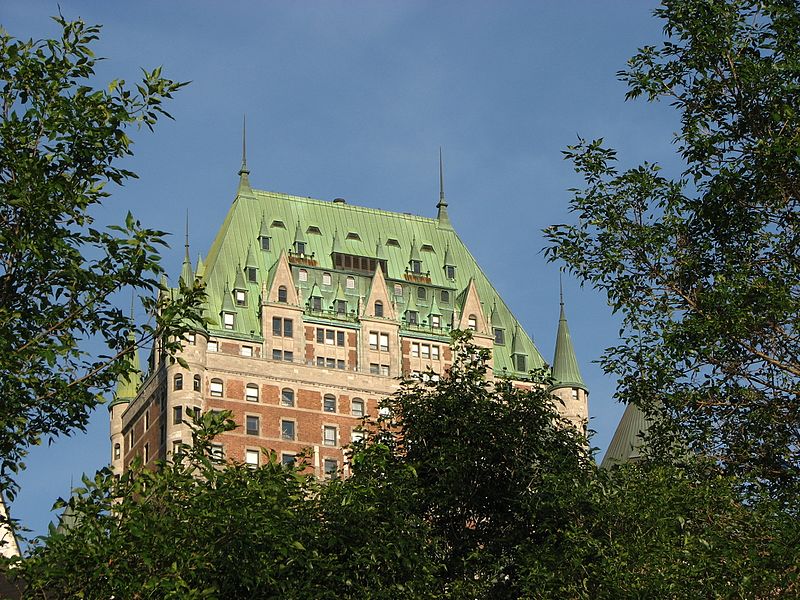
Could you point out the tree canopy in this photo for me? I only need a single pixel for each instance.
(704, 266)
(61, 142)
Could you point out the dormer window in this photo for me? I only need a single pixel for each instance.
(378, 308)
(341, 307)
(252, 274)
(416, 266)
(499, 336)
(300, 247)
(350, 283)
(282, 294)
(228, 320)
(240, 297)
(412, 317)
(445, 297)
(316, 303)
(421, 293)
(436, 322)
(520, 362)
(450, 271)
(302, 275)
(326, 279)
(265, 241)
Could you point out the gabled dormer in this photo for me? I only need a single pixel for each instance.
(264, 236)
(472, 316)
(315, 299)
(228, 313)
(299, 246)
(281, 287)
(251, 266)
(415, 260)
(519, 357)
(378, 303)
(240, 288)
(449, 265)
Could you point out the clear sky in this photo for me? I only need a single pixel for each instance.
(352, 99)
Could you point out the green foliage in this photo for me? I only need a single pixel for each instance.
(484, 493)
(704, 268)
(60, 141)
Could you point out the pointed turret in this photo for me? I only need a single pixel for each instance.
(250, 261)
(442, 216)
(299, 239)
(200, 269)
(186, 270)
(565, 365)
(128, 386)
(227, 300)
(336, 246)
(239, 283)
(244, 172)
(380, 251)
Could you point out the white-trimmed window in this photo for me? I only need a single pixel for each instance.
(302, 275)
(326, 279)
(373, 340)
(251, 392)
(287, 429)
(435, 352)
(246, 351)
(217, 450)
(216, 388)
(251, 458)
(472, 322)
(329, 403)
(191, 338)
(398, 289)
(329, 435)
(228, 320)
(287, 460)
(436, 321)
(177, 382)
(385, 342)
(252, 425)
(378, 308)
(414, 349)
(357, 435)
(240, 296)
(213, 346)
(331, 468)
(350, 283)
(357, 407)
(287, 397)
(425, 351)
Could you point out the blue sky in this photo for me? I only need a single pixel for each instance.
(353, 99)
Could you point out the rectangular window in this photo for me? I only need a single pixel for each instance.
(287, 430)
(264, 243)
(287, 397)
(358, 407)
(251, 392)
(191, 338)
(241, 297)
(373, 340)
(176, 447)
(331, 466)
(247, 351)
(374, 368)
(436, 322)
(385, 342)
(177, 415)
(320, 335)
(147, 452)
(217, 451)
(277, 354)
(330, 363)
(287, 460)
(329, 435)
(425, 351)
(282, 327)
(340, 364)
(385, 370)
(228, 320)
(435, 352)
(356, 436)
(251, 458)
(215, 388)
(414, 349)
(277, 325)
(340, 338)
(288, 356)
(320, 361)
(252, 425)
(288, 328)
(213, 346)
(330, 337)
(329, 404)
(499, 336)
(316, 303)
(412, 317)
(146, 420)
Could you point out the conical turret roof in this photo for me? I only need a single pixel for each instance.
(565, 365)
(128, 386)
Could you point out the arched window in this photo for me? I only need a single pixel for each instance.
(421, 294)
(117, 451)
(282, 294)
(326, 279)
(302, 275)
(472, 322)
(350, 283)
(216, 388)
(378, 308)
(251, 393)
(287, 397)
(196, 384)
(177, 382)
(329, 403)
(358, 407)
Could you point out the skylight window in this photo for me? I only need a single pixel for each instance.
(353, 236)
(278, 224)
(393, 242)
(427, 248)
(313, 229)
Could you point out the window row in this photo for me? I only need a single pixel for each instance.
(330, 337)
(422, 293)
(431, 351)
(177, 382)
(379, 369)
(330, 363)
(378, 341)
(282, 327)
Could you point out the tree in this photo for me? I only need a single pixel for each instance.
(61, 140)
(705, 267)
(485, 492)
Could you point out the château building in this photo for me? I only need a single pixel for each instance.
(316, 309)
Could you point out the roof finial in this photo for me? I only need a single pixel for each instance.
(186, 271)
(444, 219)
(186, 244)
(244, 180)
(560, 289)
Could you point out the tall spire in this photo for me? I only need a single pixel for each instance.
(186, 271)
(244, 172)
(565, 364)
(444, 219)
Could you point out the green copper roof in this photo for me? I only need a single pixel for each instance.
(227, 301)
(239, 282)
(565, 365)
(397, 233)
(627, 441)
(448, 259)
(414, 250)
(299, 236)
(251, 258)
(442, 217)
(127, 387)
